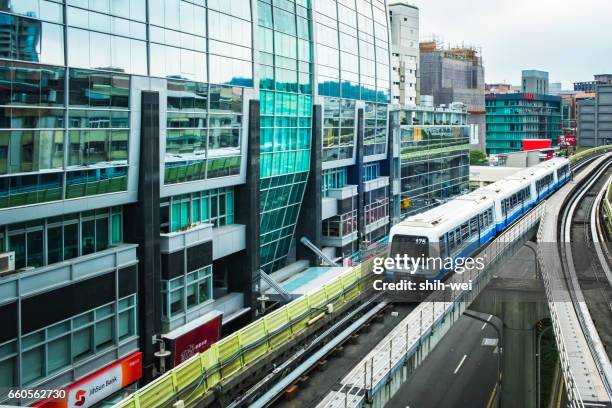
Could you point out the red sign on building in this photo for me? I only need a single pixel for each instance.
(99, 385)
(567, 140)
(535, 144)
(185, 344)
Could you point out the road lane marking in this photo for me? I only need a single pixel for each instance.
(484, 324)
(460, 363)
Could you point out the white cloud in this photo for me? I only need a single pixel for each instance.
(570, 39)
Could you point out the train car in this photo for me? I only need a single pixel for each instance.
(513, 197)
(454, 229)
(460, 227)
(563, 172)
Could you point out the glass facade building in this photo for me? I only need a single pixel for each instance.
(517, 116)
(285, 93)
(432, 165)
(156, 155)
(353, 85)
(112, 111)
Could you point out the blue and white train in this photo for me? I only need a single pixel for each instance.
(460, 227)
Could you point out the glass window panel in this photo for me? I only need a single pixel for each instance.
(81, 343)
(104, 333)
(176, 302)
(126, 324)
(78, 48)
(88, 240)
(32, 365)
(35, 248)
(58, 353)
(101, 234)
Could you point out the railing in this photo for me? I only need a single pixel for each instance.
(573, 393)
(197, 376)
(607, 207)
(588, 153)
(406, 338)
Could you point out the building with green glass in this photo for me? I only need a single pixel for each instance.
(513, 117)
(157, 155)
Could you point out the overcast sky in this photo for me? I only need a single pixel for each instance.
(570, 39)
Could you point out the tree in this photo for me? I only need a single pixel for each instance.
(478, 158)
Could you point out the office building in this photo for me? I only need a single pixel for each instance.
(153, 162)
(569, 110)
(430, 161)
(590, 86)
(534, 81)
(404, 20)
(594, 118)
(513, 117)
(455, 74)
(353, 87)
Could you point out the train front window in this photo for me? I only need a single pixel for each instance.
(412, 246)
(413, 253)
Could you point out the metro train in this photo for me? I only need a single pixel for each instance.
(460, 227)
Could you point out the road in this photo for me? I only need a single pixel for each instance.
(462, 369)
(459, 373)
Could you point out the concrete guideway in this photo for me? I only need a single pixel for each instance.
(378, 376)
(580, 368)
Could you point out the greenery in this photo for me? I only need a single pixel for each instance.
(548, 361)
(478, 158)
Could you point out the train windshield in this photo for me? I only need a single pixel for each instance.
(414, 248)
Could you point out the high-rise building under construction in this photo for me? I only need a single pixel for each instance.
(455, 74)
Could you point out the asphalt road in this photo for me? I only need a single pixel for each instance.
(459, 373)
(461, 370)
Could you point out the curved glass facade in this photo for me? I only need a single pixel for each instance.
(352, 55)
(286, 109)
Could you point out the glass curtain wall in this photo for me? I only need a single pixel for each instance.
(286, 106)
(353, 63)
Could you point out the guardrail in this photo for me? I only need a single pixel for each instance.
(588, 153)
(573, 393)
(407, 339)
(607, 208)
(197, 376)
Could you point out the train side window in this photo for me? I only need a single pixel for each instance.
(465, 231)
(481, 220)
(442, 245)
(451, 241)
(490, 212)
(458, 236)
(474, 226)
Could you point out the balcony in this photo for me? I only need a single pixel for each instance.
(174, 241)
(64, 273)
(228, 239)
(342, 193)
(329, 207)
(375, 184)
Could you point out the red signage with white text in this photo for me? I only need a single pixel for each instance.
(195, 341)
(567, 140)
(98, 386)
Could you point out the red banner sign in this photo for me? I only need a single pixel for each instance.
(195, 341)
(567, 140)
(100, 385)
